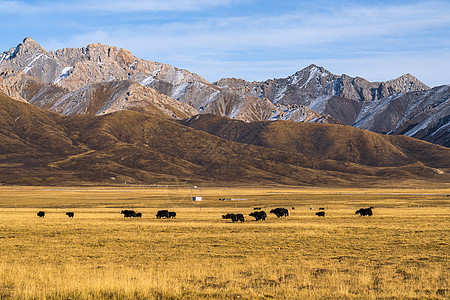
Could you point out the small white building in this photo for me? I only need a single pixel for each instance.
(198, 198)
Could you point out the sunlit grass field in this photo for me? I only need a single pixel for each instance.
(401, 252)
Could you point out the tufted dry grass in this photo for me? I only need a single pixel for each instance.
(399, 253)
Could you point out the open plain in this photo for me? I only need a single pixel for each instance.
(401, 252)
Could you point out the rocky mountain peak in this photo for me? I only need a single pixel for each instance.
(313, 67)
(406, 83)
(29, 42)
(29, 46)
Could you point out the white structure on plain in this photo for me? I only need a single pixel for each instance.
(198, 198)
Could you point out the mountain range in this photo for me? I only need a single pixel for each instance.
(100, 79)
(98, 114)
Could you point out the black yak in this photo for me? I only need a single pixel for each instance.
(280, 212)
(70, 214)
(364, 212)
(41, 214)
(259, 215)
(162, 214)
(234, 217)
(128, 213)
(320, 214)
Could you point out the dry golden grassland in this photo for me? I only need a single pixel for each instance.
(402, 252)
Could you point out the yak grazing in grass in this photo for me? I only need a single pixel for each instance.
(128, 213)
(162, 214)
(234, 217)
(259, 215)
(364, 212)
(280, 212)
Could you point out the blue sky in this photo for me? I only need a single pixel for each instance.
(250, 39)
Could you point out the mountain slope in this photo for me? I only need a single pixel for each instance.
(39, 147)
(107, 97)
(18, 85)
(93, 99)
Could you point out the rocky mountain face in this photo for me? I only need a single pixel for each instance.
(423, 115)
(92, 80)
(107, 97)
(99, 79)
(18, 85)
(74, 68)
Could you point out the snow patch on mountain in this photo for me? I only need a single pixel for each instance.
(421, 126)
(236, 110)
(367, 115)
(319, 104)
(445, 128)
(178, 91)
(62, 100)
(7, 55)
(33, 61)
(4, 57)
(280, 94)
(179, 78)
(64, 73)
(312, 74)
(211, 98)
(147, 81)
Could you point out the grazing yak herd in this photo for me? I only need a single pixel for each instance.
(257, 214)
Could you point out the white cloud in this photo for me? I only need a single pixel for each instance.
(345, 30)
(431, 69)
(151, 5)
(377, 42)
(107, 6)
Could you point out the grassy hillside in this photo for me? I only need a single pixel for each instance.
(327, 141)
(39, 147)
